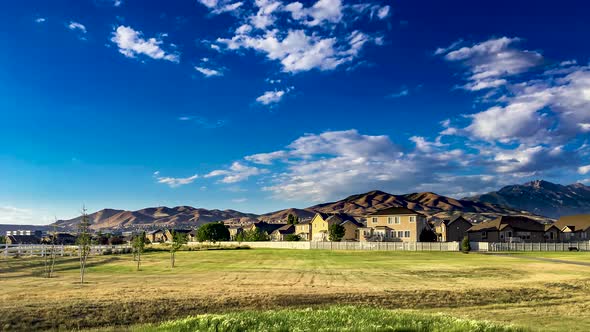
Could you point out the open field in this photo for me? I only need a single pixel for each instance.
(516, 290)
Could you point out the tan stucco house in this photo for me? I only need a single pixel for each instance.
(280, 233)
(303, 229)
(450, 230)
(395, 224)
(513, 229)
(321, 223)
(574, 228)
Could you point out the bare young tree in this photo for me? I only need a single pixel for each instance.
(50, 254)
(178, 239)
(138, 247)
(84, 241)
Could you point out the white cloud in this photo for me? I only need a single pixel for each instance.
(239, 200)
(236, 173)
(584, 169)
(383, 12)
(402, 93)
(266, 158)
(322, 11)
(77, 27)
(175, 182)
(272, 97)
(40, 19)
(208, 72)
(15, 215)
(491, 61)
(131, 44)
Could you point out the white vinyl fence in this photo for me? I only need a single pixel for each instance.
(19, 250)
(390, 246)
(562, 246)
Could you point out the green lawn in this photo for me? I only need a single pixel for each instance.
(507, 290)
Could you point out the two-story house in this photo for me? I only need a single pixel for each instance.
(513, 229)
(395, 224)
(303, 229)
(574, 228)
(450, 230)
(321, 222)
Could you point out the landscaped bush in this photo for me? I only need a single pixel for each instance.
(465, 246)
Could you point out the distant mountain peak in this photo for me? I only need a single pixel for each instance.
(541, 197)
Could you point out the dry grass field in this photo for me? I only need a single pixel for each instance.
(518, 290)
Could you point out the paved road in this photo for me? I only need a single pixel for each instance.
(543, 259)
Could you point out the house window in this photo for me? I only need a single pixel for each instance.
(374, 220)
(397, 220)
(400, 233)
(406, 233)
(509, 233)
(390, 220)
(502, 236)
(412, 218)
(484, 235)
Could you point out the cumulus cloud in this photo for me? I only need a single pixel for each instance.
(491, 61)
(15, 215)
(294, 41)
(584, 169)
(40, 20)
(175, 182)
(132, 44)
(236, 173)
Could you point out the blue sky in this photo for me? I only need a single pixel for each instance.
(267, 104)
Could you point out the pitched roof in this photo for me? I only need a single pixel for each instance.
(516, 222)
(459, 218)
(286, 229)
(266, 227)
(23, 239)
(580, 222)
(342, 218)
(393, 211)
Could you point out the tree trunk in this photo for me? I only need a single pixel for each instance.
(138, 260)
(172, 259)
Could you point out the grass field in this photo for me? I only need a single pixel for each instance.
(515, 290)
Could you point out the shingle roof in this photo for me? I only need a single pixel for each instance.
(286, 229)
(516, 222)
(24, 239)
(266, 227)
(394, 211)
(580, 222)
(342, 218)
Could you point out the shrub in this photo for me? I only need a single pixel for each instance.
(465, 246)
(292, 237)
(336, 232)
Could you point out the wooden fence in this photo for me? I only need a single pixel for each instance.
(19, 250)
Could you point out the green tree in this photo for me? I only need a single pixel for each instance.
(256, 234)
(138, 247)
(292, 219)
(178, 239)
(2, 239)
(84, 242)
(213, 232)
(465, 246)
(336, 232)
(292, 237)
(427, 235)
(240, 237)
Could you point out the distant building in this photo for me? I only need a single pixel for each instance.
(280, 233)
(303, 229)
(395, 224)
(451, 230)
(574, 228)
(321, 222)
(27, 232)
(513, 229)
(22, 239)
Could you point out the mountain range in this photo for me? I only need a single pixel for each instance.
(541, 197)
(430, 204)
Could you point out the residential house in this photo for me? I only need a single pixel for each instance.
(60, 238)
(395, 224)
(574, 228)
(29, 232)
(156, 236)
(280, 233)
(321, 222)
(234, 231)
(450, 230)
(303, 229)
(513, 229)
(169, 234)
(22, 239)
(264, 227)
